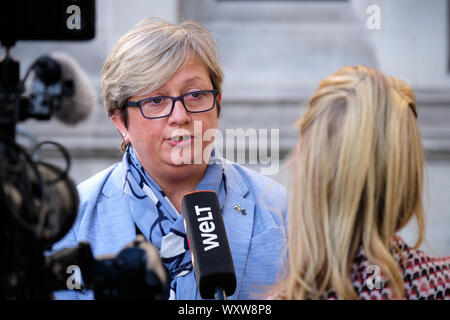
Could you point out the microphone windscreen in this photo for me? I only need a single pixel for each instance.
(77, 107)
(208, 242)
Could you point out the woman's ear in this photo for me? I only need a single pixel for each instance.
(120, 125)
(118, 121)
(219, 97)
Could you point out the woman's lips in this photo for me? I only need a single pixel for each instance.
(180, 141)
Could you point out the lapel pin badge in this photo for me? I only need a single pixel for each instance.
(239, 209)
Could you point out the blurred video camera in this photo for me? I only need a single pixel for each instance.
(38, 200)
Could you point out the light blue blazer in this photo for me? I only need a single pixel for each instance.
(257, 239)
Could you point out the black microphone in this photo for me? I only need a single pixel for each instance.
(211, 255)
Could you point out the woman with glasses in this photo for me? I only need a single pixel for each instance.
(357, 179)
(162, 89)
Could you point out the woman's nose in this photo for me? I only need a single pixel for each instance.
(179, 114)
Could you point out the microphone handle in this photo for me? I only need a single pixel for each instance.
(219, 294)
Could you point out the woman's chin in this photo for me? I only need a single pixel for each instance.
(173, 171)
(184, 158)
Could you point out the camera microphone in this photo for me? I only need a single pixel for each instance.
(59, 86)
(208, 242)
(78, 106)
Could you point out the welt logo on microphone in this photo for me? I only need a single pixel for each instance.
(206, 227)
(204, 224)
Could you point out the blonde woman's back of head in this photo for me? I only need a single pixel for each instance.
(357, 180)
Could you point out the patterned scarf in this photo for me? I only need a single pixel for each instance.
(164, 226)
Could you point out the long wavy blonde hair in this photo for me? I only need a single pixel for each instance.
(357, 180)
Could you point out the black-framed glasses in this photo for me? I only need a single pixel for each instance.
(162, 106)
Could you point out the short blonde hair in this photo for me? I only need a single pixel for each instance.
(146, 57)
(357, 180)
